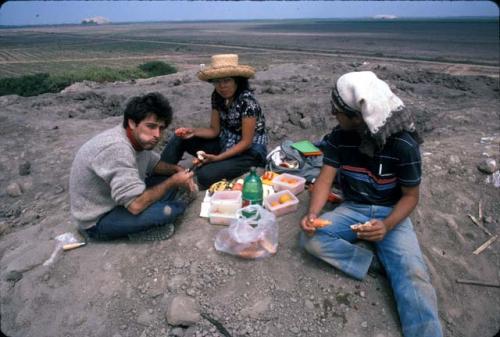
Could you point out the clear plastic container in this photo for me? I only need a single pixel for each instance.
(276, 202)
(221, 219)
(286, 181)
(226, 202)
(224, 206)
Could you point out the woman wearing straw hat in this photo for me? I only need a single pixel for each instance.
(236, 138)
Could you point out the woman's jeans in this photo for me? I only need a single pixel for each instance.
(119, 222)
(210, 173)
(399, 253)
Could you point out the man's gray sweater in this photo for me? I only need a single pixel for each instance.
(107, 172)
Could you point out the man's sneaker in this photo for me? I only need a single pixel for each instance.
(156, 233)
(186, 196)
(376, 268)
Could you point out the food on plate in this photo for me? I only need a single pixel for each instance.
(268, 176)
(221, 185)
(238, 185)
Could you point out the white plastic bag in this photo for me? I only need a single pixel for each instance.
(250, 237)
(61, 240)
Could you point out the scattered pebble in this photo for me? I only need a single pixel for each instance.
(14, 190)
(487, 165)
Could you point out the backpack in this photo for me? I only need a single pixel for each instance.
(285, 159)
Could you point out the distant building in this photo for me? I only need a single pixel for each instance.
(96, 20)
(385, 17)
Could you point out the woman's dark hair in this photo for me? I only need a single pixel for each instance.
(139, 107)
(242, 84)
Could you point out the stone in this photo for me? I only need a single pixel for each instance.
(177, 332)
(182, 310)
(305, 123)
(13, 276)
(24, 168)
(14, 190)
(454, 159)
(258, 308)
(488, 165)
(309, 305)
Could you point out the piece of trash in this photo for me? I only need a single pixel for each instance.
(70, 246)
(487, 140)
(425, 154)
(61, 240)
(494, 179)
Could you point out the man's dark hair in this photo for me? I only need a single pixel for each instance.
(139, 107)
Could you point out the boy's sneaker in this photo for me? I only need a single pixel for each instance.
(376, 268)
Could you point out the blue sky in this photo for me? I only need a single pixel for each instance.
(59, 12)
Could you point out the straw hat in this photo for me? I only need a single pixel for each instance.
(225, 65)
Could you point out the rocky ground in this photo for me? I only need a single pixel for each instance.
(183, 286)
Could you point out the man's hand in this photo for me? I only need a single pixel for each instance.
(373, 230)
(307, 224)
(183, 178)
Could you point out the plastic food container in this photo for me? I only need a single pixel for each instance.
(221, 219)
(286, 181)
(281, 203)
(223, 207)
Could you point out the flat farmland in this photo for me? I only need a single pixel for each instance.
(56, 49)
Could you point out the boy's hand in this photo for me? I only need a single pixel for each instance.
(373, 230)
(307, 224)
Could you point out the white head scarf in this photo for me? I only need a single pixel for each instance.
(364, 92)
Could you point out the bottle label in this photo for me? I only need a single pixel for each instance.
(247, 202)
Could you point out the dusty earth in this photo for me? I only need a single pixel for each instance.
(124, 289)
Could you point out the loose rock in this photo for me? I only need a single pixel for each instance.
(183, 310)
(14, 190)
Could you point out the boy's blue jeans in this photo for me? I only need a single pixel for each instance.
(399, 253)
(119, 222)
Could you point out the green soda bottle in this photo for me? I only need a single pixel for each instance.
(252, 189)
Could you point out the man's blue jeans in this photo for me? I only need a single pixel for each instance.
(399, 253)
(119, 222)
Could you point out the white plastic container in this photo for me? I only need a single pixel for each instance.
(223, 207)
(272, 203)
(283, 182)
(221, 219)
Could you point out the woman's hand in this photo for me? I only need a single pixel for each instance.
(209, 158)
(184, 133)
(307, 224)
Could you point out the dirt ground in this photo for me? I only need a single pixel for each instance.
(123, 289)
